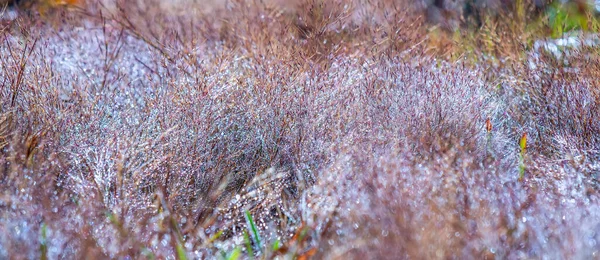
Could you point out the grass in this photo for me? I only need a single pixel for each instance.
(308, 129)
(522, 153)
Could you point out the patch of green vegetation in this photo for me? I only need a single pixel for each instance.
(567, 17)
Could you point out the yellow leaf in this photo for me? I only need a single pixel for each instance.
(523, 142)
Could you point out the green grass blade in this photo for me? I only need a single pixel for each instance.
(181, 252)
(43, 242)
(235, 254)
(276, 245)
(248, 245)
(253, 229)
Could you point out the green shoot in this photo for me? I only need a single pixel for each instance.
(523, 146)
(235, 254)
(214, 237)
(43, 242)
(253, 229)
(248, 245)
(276, 245)
(181, 255)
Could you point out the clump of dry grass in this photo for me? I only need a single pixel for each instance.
(308, 129)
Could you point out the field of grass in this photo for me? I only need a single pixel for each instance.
(297, 129)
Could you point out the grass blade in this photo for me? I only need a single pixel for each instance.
(253, 229)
